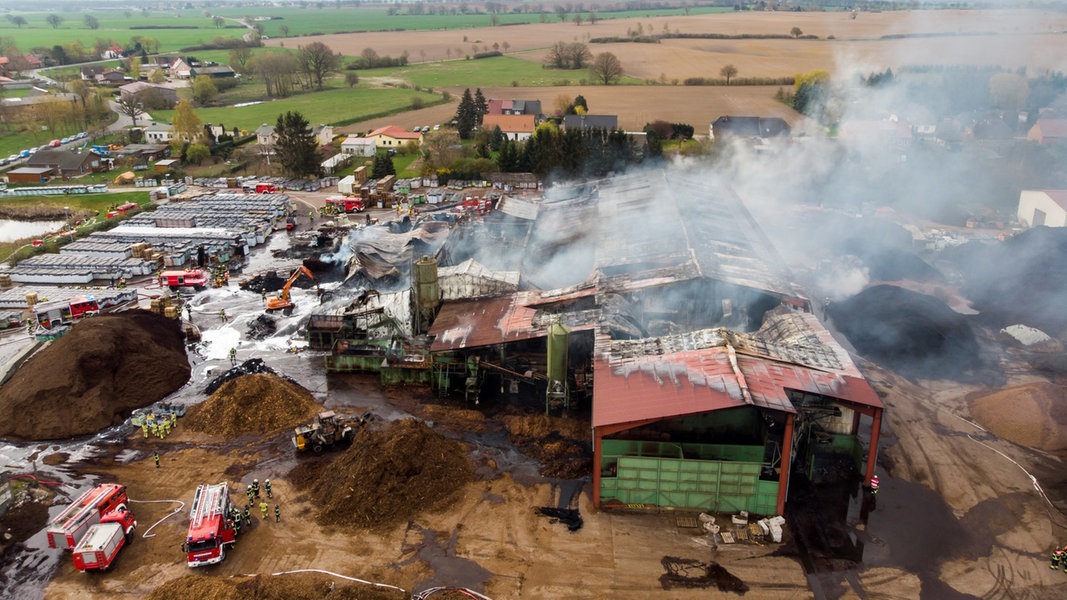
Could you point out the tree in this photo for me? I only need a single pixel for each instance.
(277, 70)
(296, 147)
(239, 58)
(197, 153)
(383, 166)
(157, 76)
(186, 126)
(318, 61)
(441, 148)
(796, 32)
(54, 20)
(606, 68)
(481, 105)
(728, 72)
(204, 89)
(129, 105)
(466, 115)
(351, 78)
(284, 29)
(18, 21)
(134, 69)
(92, 22)
(561, 12)
(218, 21)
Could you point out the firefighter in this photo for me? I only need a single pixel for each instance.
(155, 430)
(233, 357)
(248, 515)
(255, 487)
(266, 488)
(222, 315)
(144, 430)
(156, 458)
(263, 509)
(166, 428)
(237, 526)
(1054, 558)
(173, 419)
(874, 484)
(249, 493)
(277, 514)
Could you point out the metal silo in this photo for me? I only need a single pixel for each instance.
(559, 339)
(427, 290)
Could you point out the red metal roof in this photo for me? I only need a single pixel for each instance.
(499, 320)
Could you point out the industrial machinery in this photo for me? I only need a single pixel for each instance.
(281, 302)
(326, 431)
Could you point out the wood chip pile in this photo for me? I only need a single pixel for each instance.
(252, 404)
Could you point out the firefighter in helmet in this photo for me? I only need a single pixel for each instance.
(266, 488)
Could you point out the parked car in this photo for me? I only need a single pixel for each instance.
(66, 140)
(13, 158)
(436, 127)
(26, 153)
(55, 143)
(80, 135)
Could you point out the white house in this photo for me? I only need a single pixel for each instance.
(181, 69)
(359, 146)
(1043, 207)
(158, 133)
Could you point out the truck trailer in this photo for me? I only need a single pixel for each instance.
(71, 525)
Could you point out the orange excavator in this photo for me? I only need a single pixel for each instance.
(281, 302)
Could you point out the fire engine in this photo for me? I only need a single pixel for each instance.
(65, 312)
(210, 528)
(344, 204)
(101, 544)
(70, 526)
(194, 278)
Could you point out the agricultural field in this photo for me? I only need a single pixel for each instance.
(113, 25)
(329, 106)
(498, 71)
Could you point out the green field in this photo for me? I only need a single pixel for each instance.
(329, 106)
(117, 27)
(498, 71)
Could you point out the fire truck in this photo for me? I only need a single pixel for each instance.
(70, 526)
(210, 528)
(194, 278)
(65, 312)
(101, 544)
(345, 204)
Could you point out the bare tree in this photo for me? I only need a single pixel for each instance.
(218, 21)
(277, 71)
(606, 68)
(728, 72)
(54, 20)
(318, 61)
(239, 59)
(284, 29)
(91, 22)
(17, 20)
(796, 32)
(129, 105)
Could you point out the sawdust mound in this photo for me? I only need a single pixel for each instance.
(388, 476)
(1033, 415)
(94, 376)
(914, 334)
(560, 445)
(255, 403)
(297, 586)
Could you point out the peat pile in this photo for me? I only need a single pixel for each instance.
(252, 365)
(387, 477)
(296, 586)
(92, 378)
(1033, 415)
(560, 445)
(912, 333)
(1022, 280)
(255, 403)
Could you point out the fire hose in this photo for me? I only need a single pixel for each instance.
(172, 513)
(35, 479)
(384, 585)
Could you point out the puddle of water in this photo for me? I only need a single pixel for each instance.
(448, 569)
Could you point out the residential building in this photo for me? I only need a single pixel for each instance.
(514, 126)
(1043, 207)
(110, 77)
(394, 137)
(158, 133)
(1048, 131)
(514, 107)
(66, 163)
(323, 134)
(358, 146)
(181, 69)
(608, 122)
(167, 96)
(748, 127)
(265, 136)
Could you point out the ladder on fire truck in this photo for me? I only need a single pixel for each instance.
(84, 507)
(210, 501)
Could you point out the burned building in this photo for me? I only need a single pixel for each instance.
(655, 304)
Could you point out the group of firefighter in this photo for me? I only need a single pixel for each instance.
(159, 425)
(1058, 559)
(237, 516)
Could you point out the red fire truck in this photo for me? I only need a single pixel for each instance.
(194, 278)
(70, 526)
(344, 204)
(210, 528)
(65, 312)
(101, 544)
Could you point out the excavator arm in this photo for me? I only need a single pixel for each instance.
(282, 302)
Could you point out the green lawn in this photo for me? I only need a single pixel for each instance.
(329, 106)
